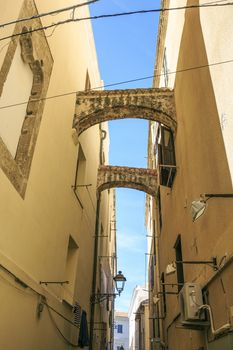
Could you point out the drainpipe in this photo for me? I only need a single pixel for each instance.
(103, 135)
(113, 302)
(95, 258)
(156, 238)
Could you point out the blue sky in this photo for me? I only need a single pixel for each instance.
(126, 50)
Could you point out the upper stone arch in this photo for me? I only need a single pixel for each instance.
(94, 107)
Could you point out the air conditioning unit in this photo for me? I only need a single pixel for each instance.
(190, 299)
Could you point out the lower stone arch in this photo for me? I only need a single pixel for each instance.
(141, 179)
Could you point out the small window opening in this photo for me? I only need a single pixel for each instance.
(81, 167)
(166, 157)
(165, 68)
(70, 270)
(87, 82)
(164, 295)
(179, 267)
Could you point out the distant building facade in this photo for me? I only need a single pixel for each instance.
(121, 331)
(191, 250)
(138, 319)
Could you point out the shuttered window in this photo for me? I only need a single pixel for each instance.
(166, 157)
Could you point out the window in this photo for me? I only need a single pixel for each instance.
(81, 167)
(70, 270)
(159, 209)
(119, 328)
(87, 82)
(164, 294)
(166, 157)
(165, 68)
(179, 267)
(152, 264)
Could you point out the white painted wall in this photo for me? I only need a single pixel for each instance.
(139, 294)
(121, 339)
(217, 26)
(17, 88)
(173, 39)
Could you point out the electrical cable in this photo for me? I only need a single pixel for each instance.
(26, 286)
(120, 83)
(117, 15)
(51, 13)
(59, 314)
(58, 329)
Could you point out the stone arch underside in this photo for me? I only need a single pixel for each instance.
(94, 107)
(120, 176)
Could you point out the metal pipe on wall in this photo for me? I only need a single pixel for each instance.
(156, 238)
(103, 135)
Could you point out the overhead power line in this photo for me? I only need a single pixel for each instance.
(120, 83)
(51, 13)
(206, 5)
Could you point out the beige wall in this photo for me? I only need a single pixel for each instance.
(11, 124)
(219, 48)
(35, 230)
(175, 19)
(202, 167)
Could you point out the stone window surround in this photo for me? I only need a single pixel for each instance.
(17, 169)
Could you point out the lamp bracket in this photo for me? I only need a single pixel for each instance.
(100, 297)
(212, 263)
(54, 282)
(167, 293)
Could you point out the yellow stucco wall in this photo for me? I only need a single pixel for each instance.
(202, 167)
(35, 230)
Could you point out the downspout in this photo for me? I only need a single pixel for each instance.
(92, 317)
(156, 238)
(114, 271)
(103, 135)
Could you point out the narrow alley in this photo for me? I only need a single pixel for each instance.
(116, 175)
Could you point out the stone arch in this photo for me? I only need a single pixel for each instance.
(127, 177)
(93, 107)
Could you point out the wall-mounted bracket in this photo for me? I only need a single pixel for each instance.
(100, 297)
(54, 282)
(212, 263)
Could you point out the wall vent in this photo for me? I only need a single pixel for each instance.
(77, 314)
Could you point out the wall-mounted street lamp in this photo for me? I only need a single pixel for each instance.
(172, 266)
(119, 280)
(198, 207)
